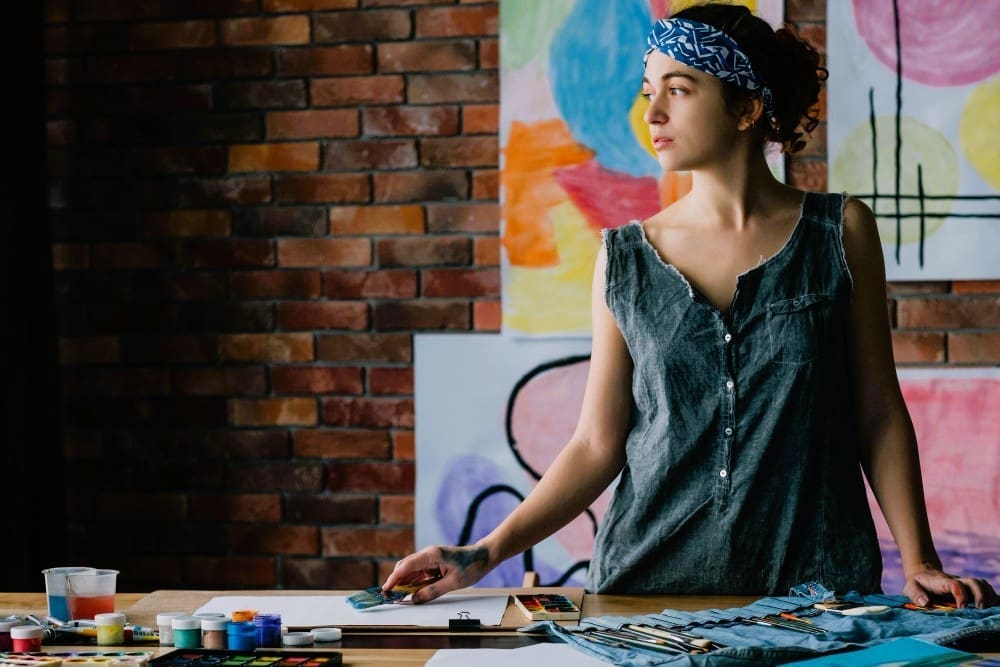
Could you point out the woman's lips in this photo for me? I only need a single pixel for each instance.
(659, 143)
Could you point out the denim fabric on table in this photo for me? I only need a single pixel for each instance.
(742, 474)
(762, 645)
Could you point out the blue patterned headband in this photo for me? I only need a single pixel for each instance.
(710, 50)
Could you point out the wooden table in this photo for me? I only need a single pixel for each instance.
(392, 646)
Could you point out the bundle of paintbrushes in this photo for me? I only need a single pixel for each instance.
(647, 637)
(375, 596)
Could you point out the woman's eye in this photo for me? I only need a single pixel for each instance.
(678, 91)
(646, 94)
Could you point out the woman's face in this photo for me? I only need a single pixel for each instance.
(689, 124)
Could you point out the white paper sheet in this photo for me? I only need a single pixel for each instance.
(311, 611)
(536, 654)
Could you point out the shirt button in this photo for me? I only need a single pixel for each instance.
(723, 473)
(729, 431)
(730, 384)
(728, 337)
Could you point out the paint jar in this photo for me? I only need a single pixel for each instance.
(90, 593)
(213, 632)
(26, 638)
(110, 629)
(244, 615)
(241, 635)
(163, 620)
(5, 625)
(297, 639)
(327, 635)
(187, 631)
(268, 630)
(55, 589)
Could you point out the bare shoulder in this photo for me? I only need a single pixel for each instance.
(861, 239)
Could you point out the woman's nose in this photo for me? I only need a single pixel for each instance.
(654, 112)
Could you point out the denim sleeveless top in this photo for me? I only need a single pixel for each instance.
(742, 473)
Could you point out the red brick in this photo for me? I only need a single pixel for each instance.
(247, 507)
(221, 381)
(422, 185)
(326, 188)
(350, 91)
(368, 412)
(486, 251)
(421, 314)
(444, 88)
(265, 284)
(459, 151)
(366, 541)
(190, 222)
(463, 217)
(489, 53)
(266, 347)
(290, 6)
(480, 119)
(376, 220)
(327, 509)
(130, 68)
(805, 10)
(70, 256)
(367, 154)
(182, 35)
(403, 445)
(273, 412)
(281, 221)
(191, 285)
(281, 94)
(324, 252)
(814, 34)
(312, 124)
(332, 574)
(427, 56)
(458, 21)
(407, 120)
(387, 381)
(917, 347)
(487, 315)
(341, 444)
(323, 315)
(224, 191)
(278, 475)
(396, 509)
(394, 477)
(134, 255)
(974, 348)
(274, 157)
(326, 61)
(373, 25)
(229, 572)
(200, 160)
(808, 175)
(266, 32)
(231, 253)
(976, 287)
(89, 381)
(423, 251)
(170, 349)
(224, 63)
(316, 380)
(895, 289)
(972, 312)
(398, 284)
(486, 184)
(461, 282)
(283, 539)
(365, 347)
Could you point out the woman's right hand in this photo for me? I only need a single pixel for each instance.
(458, 567)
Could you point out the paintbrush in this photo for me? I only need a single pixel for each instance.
(375, 596)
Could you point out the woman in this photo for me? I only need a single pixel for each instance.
(741, 374)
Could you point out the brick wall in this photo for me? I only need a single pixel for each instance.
(254, 205)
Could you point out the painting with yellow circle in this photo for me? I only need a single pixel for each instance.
(914, 132)
(575, 153)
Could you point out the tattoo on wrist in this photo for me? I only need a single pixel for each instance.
(463, 558)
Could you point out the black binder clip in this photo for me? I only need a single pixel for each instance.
(463, 623)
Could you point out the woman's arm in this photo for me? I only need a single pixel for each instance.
(888, 442)
(589, 462)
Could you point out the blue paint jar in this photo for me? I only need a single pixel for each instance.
(187, 631)
(268, 630)
(241, 636)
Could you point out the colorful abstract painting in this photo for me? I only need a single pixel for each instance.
(492, 412)
(575, 153)
(914, 129)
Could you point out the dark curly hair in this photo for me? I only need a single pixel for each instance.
(788, 64)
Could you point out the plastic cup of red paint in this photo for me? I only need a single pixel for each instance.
(91, 593)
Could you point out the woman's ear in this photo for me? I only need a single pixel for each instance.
(752, 110)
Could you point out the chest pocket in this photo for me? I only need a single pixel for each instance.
(798, 328)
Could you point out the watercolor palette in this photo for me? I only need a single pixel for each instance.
(258, 658)
(552, 607)
(77, 659)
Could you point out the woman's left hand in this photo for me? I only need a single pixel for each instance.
(925, 585)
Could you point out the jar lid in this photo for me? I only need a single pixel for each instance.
(164, 617)
(8, 623)
(244, 614)
(185, 623)
(297, 638)
(210, 614)
(327, 634)
(214, 623)
(27, 632)
(111, 618)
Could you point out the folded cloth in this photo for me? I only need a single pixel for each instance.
(756, 644)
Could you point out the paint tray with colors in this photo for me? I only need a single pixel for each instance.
(77, 659)
(256, 658)
(552, 607)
